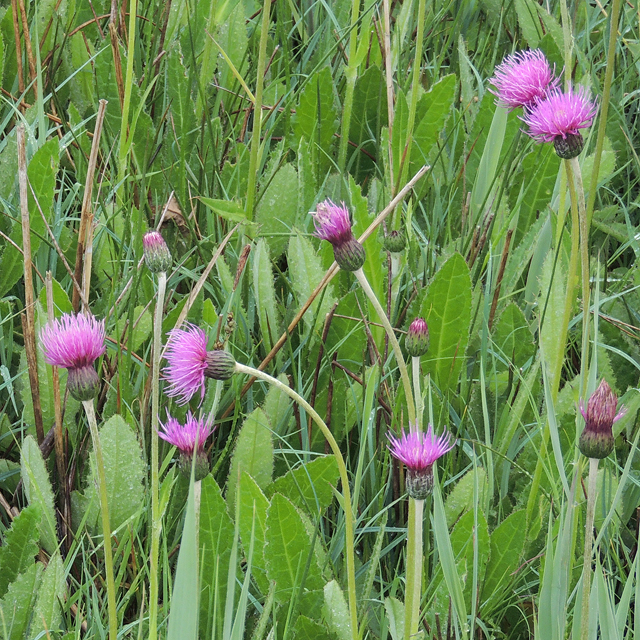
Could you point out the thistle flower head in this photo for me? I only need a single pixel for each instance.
(156, 253)
(395, 241)
(559, 118)
(417, 340)
(75, 342)
(418, 451)
(596, 440)
(189, 439)
(332, 223)
(522, 79)
(190, 362)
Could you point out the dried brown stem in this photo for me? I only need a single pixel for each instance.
(16, 35)
(27, 42)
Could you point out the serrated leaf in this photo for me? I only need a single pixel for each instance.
(37, 487)
(336, 612)
(529, 22)
(16, 608)
(216, 540)
(447, 310)
(265, 294)
(277, 211)
(306, 628)
(512, 337)
(277, 407)
(460, 500)
(227, 209)
(309, 486)
(507, 544)
(395, 614)
(47, 614)
(253, 516)
(253, 454)
(19, 546)
(288, 551)
(124, 470)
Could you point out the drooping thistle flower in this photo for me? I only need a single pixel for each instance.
(75, 342)
(417, 340)
(559, 118)
(189, 439)
(596, 441)
(418, 451)
(332, 223)
(190, 363)
(523, 79)
(156, 253)
(395, 241)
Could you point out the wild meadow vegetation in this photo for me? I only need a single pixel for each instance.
(222, 124)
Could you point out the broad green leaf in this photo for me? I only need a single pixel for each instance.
(507, 544)
(309, 486)
(607, 165)
(399, 131)
(61, 302)
(288, 551)
(306, 628)
(336, 612)
(47, 614)
(19, 547)
(216, 540)
(227, 209)
(277, 211)
(41, 173)
(265, 295)
(124, 470)
(253, 454)
(277, 408)
(460, 500)
(447, 310)
(253, 513)
(8, 165)
(512, 339)
(529, 22)
(37, 487)
(16, 608)
(137, 334)
(395, 615)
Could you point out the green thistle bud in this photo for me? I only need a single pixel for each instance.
(156, 253)
(417, 340)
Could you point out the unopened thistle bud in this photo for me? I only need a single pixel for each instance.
(596, 441)
(156, 253)
(395, 241)
(417, 340)
(333, 224)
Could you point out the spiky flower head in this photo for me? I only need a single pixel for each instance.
(190, 363)
(189, 439)
(596, 440)
(75, 342)
(559, 118)
(395, 241)
(417, 340)
(156, 253)
(332, 223)
(418, 451)
(523, 79)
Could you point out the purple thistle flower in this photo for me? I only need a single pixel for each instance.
(332, 223)
(190, 362)
(156, 253)
(75, 342)
(189, 439)
(596, 440)
(418, 451)
(523, 79)
(559, 118)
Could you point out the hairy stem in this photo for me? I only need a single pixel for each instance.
(415, 367)
(588, 544)
(414, 569)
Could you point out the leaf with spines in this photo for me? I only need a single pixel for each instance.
(265, 294)
(47, 614)
(19, 548)
(336, 612)
(16, 607)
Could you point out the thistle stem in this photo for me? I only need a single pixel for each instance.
(106, 527)
(155, 507)
(414, 569)
(404, 374)
(415, 366)
(588, 548)
(348, 511)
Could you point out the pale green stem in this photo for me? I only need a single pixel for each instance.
(415, 366)
(568, 43)
(588, 550)
(257, 111)
(348, 510)
(155, 507)
(351, 74)
(404, 374)
(414, 569)
(106, 527)
(604, 106)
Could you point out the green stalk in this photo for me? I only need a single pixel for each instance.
(404, 374)
(257, 111)
(155, 507)
(351, 74)
(414, 569)
(126, 102)
(106, 527)
(415, 367)
(604, 107)
(348, 511)
(588, 544)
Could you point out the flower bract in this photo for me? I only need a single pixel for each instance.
(156, 253)
(596, 440)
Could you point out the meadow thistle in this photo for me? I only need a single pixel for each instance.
(596, 441)
(417, 339)
(156, 253)
(190, 440)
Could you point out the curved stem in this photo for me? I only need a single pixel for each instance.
(414, 569)
(404, 374)
(348, 511)
(155, 507)
(588, 544)
(106, 527)
(415, 370)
